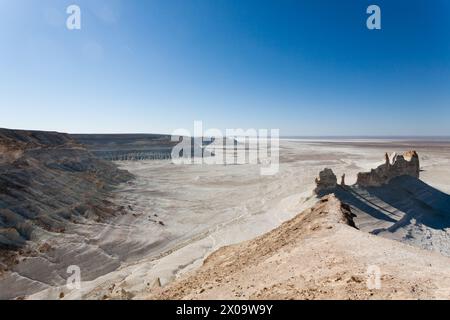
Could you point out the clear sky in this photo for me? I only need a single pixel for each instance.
(306, 67)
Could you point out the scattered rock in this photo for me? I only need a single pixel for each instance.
(156, 283)
(357, 279)
(126, 295)
(45, 248)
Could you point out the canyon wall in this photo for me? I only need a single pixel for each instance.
(394, 166)
(47, 180)
(127, 147)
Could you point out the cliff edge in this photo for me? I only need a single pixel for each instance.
(394, 166)
(47, 180)
(319, 254)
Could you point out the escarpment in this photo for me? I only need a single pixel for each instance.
(127, 147)
(394, 166)
(47, 180)
(391, 201)
(326, 182)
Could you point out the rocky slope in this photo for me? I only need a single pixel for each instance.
(47, 180)
(395, 166)
(317, 255)
(342, 247)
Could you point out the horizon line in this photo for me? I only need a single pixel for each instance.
(300, 136)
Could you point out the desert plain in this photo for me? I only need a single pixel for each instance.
(176, 216)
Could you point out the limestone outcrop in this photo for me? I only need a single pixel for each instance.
(394, 166)
(326, 182)
(127, 147)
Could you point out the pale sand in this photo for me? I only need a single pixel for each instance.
(202, 208)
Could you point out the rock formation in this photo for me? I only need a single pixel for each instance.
(47, 180)
(135, 147)
(391, 201)
(343, 180)
(316, 255)
(396, 166)
(326, 183)
(127, 147)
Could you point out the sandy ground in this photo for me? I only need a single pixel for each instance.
(181, 214)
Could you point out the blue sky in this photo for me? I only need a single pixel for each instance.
(305, 67)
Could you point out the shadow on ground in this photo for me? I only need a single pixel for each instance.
(403, 200)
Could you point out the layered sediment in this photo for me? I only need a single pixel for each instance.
(394, 166)
(326, 182)
(47, 180)
(137, 147)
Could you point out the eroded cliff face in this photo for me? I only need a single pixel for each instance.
(127, 147)
(326, 182)
(392, 202)
(395, 166)
(48, 180)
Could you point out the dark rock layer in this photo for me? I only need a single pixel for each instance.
(48, 179)
(124, 147)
